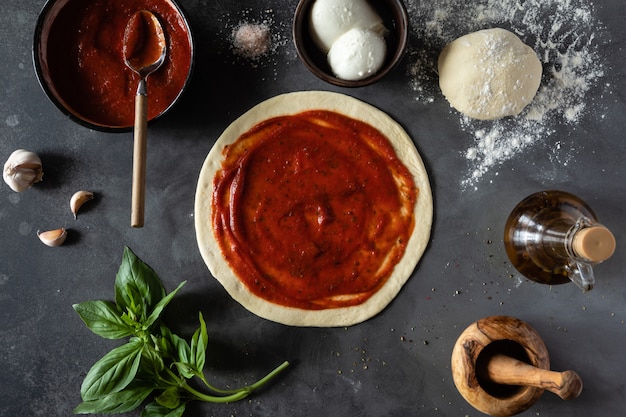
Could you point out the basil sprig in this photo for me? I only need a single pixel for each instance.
(154, 361)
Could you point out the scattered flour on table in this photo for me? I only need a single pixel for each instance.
(12, 120)
(564, 33)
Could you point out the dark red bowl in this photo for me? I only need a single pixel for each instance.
(78, 59)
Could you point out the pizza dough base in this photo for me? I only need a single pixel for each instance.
(293, 103)
(489, 74)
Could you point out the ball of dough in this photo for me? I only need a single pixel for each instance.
(489, 74)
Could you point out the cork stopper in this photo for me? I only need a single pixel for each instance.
(595, 243)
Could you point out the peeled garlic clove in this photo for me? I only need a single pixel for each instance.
(78, 199)
(54, 237)
(22, 170)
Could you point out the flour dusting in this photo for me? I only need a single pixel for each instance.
(565, 35)
(12, 120)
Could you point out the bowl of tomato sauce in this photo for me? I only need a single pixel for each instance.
(79, 61)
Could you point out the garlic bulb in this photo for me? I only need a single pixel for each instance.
(22, 170)
(78, 199)
(53, 238)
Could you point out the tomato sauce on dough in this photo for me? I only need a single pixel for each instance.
(313, 210)
(86, 61)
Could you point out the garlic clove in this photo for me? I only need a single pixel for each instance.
(22, 170)
(53, 238)
(78, 199)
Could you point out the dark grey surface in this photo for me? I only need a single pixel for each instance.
(396, 364)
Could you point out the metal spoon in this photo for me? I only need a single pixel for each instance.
(144, 52)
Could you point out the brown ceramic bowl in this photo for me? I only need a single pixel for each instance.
(79, 62)
(396, 20)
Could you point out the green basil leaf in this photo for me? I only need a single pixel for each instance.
(104, 319)
(185, 369)
(158, 309)
(164, 344)
(199, 343)
(113, 372)
(182, 353)
(170, 398)
(182, 348)
(137, 287)
(151, 361)
(194, 345)
(117, 402)
(155, 410)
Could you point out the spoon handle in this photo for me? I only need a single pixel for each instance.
(139, 160)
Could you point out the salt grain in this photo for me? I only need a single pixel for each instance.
(565, 36)
(251, 40)
(255, 40)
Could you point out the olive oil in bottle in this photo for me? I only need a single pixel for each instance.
(552, 237)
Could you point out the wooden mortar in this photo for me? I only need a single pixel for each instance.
(501, 366)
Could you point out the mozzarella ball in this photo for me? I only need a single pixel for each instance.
(330, 19)
(357, 54)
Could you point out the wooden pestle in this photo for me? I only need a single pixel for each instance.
(503, 369)
(500, 352)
